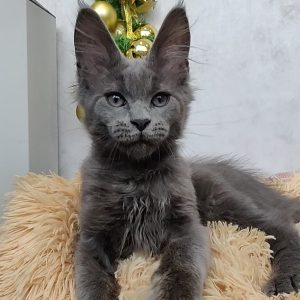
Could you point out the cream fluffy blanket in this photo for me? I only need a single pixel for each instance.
(37, 247)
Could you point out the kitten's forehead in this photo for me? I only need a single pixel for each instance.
(138, 78)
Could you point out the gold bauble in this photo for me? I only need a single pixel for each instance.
(120, 29)
(139, 48)
(80, 113)
(145, 6)
(129, 54)
(107, 13)
(145, 31)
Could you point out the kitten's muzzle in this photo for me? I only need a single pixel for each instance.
(140, 124)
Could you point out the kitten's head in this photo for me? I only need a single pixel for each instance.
(137, 106)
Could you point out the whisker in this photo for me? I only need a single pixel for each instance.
(192, 47)
(218, 123)
(169, 145)
(74, 129)
(194, 23)
(197, 62)
(111, 153)
(198, 134)
(115, 149)
(216, 108)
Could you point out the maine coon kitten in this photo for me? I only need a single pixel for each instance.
(138, 194)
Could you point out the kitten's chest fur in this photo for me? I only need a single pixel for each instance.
(132, 209)
(145, 216)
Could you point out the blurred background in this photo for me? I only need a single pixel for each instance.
(246, 74)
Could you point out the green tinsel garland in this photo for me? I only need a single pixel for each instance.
(137, 23)
(123, 43)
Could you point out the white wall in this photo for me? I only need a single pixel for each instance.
(249, 102)
(14, 150)
(28, 124)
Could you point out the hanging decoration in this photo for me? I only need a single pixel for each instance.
(125, 21)
(147, 31)
(139, 48)
(80, 113)
(107, 13)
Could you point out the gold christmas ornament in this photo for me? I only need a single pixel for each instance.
(120, 29)
(107, 13)
(80, 113)
(145, 6)
(139, 48)
(129, 54)
(146, 31)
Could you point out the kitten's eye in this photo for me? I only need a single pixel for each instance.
(160, 100)
(115, 100)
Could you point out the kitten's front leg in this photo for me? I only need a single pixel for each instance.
(286, 258)
(184, 265)
(237, 208)
(94, 273)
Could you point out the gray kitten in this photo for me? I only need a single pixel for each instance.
(139, 194)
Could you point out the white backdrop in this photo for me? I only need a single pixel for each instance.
(248, 76)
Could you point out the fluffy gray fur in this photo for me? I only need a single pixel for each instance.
(138, 193)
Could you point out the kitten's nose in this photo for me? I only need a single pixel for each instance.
(140, 124)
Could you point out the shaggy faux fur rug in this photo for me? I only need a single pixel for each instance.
(37, 247)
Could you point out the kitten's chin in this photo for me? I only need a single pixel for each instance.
(138, 150)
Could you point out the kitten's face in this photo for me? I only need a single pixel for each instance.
(137, 106)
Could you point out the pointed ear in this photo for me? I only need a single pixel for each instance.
(94, 47)
(170, 51)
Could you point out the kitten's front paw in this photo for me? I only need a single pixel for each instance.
(286, 266)
(283, 283)
(286, 278)
(168, 287)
